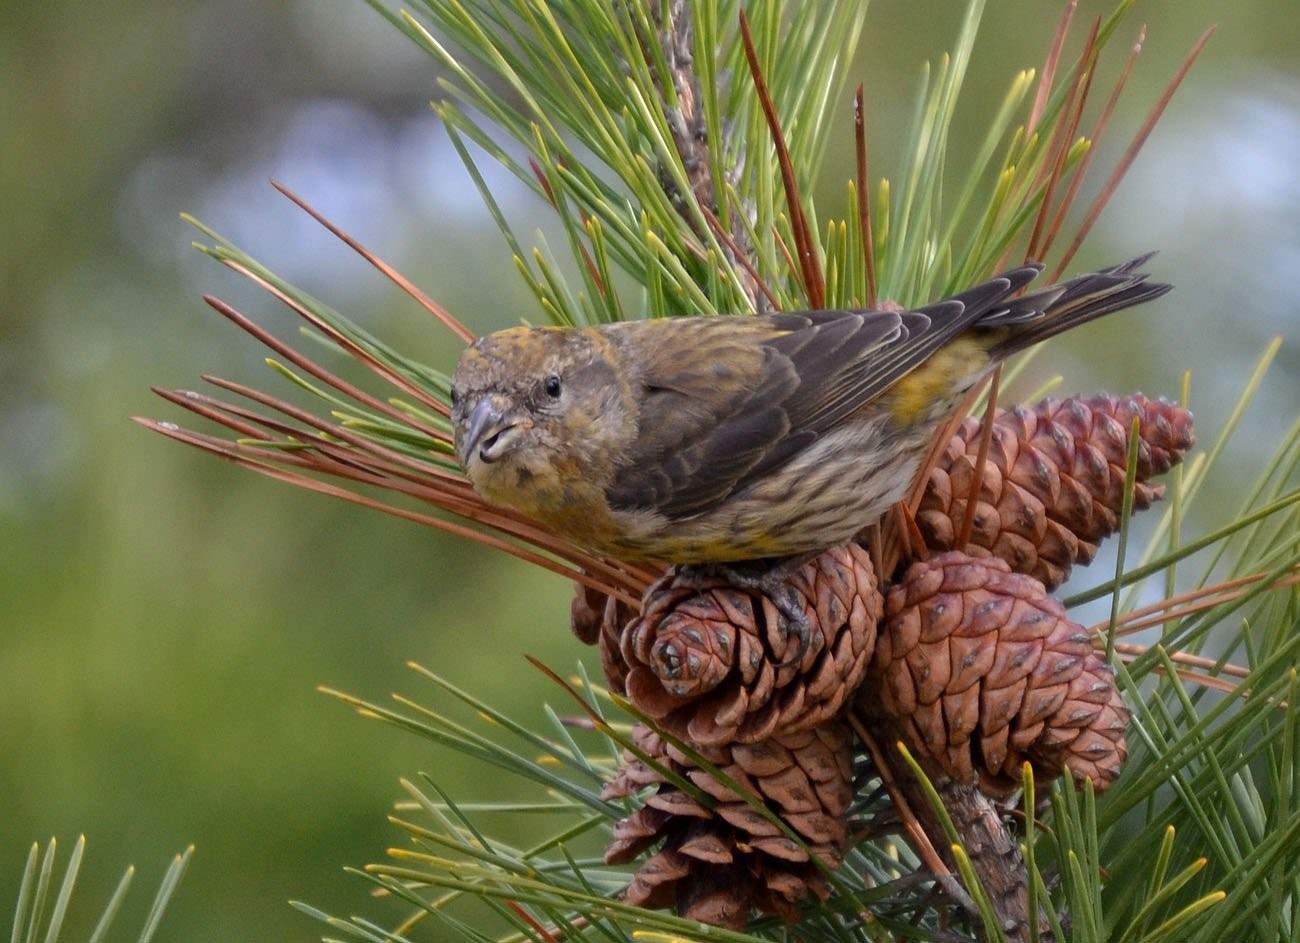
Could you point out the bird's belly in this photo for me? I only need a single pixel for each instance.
(822, 498)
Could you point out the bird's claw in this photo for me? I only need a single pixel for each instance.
(772, 579)
(795, 618)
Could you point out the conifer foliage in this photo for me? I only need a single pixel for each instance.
(900, 779)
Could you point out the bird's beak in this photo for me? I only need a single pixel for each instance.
(484, 432)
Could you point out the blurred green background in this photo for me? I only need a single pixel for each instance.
(165, 617)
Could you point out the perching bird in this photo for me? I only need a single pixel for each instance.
(704, 440)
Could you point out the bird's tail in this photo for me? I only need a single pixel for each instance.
(1046, 313)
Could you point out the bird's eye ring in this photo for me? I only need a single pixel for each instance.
(553, 386)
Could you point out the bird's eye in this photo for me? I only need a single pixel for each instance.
(454, 397)
(553, 386)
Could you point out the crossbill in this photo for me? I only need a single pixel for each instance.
(704, 440)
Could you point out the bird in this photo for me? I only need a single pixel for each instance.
(726, 438)
(723, 440)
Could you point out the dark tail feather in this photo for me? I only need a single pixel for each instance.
(1043, 314)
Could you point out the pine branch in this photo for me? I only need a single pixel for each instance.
(677, 147)
(701, 157)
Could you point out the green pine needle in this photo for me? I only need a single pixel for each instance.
(32, 923)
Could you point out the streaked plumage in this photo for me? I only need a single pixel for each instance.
(712, 439)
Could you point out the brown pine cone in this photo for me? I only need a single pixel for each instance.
(715, 667)
(982, 670)
(1053, 483)
(721, 862)
(598, 619)
(586, 612)
(615, 619)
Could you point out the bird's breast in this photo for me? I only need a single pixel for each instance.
(556, 496)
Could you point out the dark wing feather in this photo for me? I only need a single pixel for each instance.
(715, 399)
(726, 400)
(1044, 314)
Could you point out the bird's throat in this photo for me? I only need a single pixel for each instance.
(560, 499)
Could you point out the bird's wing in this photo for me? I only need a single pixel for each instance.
(726, 400)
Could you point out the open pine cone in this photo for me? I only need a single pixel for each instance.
(586, 612)
(982, 670)
(715, 666)
(1053, 483)
(598, 619)
(720, 862)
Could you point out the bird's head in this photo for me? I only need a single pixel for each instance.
(535, 410)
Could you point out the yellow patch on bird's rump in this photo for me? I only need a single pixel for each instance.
(936, 379)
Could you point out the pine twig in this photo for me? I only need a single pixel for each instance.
(921, 841)
(977, 483)
(690, 136)
(864, 196)
(741, 256)
(981, 831)
(1075, 102)
(1130, 155)
(809, 263)
(1048, 76)
(1098, 131)
(402, 282)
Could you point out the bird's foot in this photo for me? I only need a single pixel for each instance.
(770, 577)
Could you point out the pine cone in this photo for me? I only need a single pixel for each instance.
(722, 863)
(586, 612)
(1053, 483)
(715, 667)
(982, 670)
(598, 619)
(615, 619)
